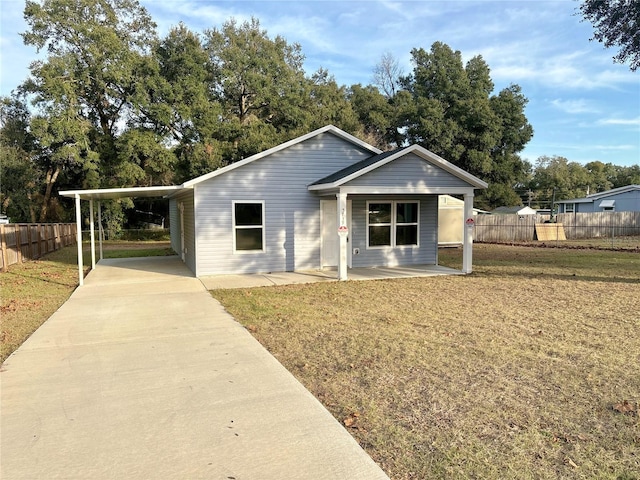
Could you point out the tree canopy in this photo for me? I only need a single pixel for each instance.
(113, 104)
(616, 23)
(450, 109)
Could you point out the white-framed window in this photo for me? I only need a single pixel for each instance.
(392, 223)
(248, 226)
(569, 207)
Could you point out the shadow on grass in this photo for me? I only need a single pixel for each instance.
(41, 279)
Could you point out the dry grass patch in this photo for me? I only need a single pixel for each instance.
(526, 369)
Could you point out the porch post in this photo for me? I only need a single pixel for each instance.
(467, 234)
(92, 234)
(342, 223)
(79, 240)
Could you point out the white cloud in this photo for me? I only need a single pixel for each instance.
(634, 122)
(574, 106)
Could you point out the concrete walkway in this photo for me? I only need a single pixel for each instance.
(141, 374)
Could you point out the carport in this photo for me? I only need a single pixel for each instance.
(97, 196)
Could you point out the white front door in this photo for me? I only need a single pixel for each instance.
(330, 243)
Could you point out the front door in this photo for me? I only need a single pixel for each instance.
(330, 246)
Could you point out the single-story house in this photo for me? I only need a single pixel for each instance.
(325, 199)
(621, 199)
(519, 210)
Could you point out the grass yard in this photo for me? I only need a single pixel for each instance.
(31, 292)
(528, 368)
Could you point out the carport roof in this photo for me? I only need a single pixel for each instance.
(113, 193)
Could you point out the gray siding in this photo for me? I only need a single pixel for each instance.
(409, 171)
(292, 213)
(625, 202)
(426, 253)
(189, 230)
(174, 225)
(583, 207)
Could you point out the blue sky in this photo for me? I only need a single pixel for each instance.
(582, 106)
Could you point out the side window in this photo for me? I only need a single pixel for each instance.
(248, 226)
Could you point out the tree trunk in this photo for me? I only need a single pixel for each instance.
(52, 176)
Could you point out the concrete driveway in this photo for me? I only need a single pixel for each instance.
(141, 374)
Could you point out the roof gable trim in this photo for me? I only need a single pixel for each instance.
(421, 152)
(607, 193)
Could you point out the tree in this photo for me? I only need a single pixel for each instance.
(375, 114)
(568, 179)
(84, 88)
(328, 103)
(177, 104)
(616, 24)
(600, 175)
(259, 83)
(455, 115)
(387, 74)
(18, 189)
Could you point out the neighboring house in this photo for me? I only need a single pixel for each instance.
(4, 219)
(325, 199)
(622, 199)
(513, 211)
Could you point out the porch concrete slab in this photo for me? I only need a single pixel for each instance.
(142, 374)
(380, 273)
(214, 282)
(250, 280)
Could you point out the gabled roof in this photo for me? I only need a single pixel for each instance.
(511, 210)
(327, 129)
(376, 161)
(607, 193)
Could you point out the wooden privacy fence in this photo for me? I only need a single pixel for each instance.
(27, 241)
(521, 228)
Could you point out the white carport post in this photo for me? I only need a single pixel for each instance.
(467, 234)
(79, 240)
(100, 230)
(92, 234)
(342, 222)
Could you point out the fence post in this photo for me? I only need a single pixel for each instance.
(18, 244)
(5, 259)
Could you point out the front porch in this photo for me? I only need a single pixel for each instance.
(214, 282)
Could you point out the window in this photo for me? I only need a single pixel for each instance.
(392, 224)
(569, 207)
(608, 205)
(248, 226)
